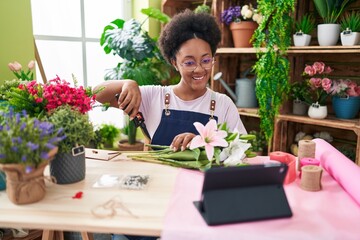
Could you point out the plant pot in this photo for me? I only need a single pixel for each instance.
(22, 187)
(317, 111)
(242, 33)
(328, 34)
(67, 168)
(2, 181)
(125, 146)
(299, 108)
(349, 39)
(346, 108)
(301, 40)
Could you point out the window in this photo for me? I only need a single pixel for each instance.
(67, 34)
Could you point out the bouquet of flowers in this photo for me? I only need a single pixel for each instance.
(345, 88)
(38, 99)
(214, 146)
(238, 14)
(16, 68)
(26, 140)
(319, 84)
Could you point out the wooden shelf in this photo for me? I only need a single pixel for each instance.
(330, 121)
(295, 50)
(249, 112)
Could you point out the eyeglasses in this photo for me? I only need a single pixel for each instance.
(191, 65)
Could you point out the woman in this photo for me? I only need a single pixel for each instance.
(188, 43)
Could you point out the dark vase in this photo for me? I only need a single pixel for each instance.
(67, 168)
(346, 108)
(2, 181)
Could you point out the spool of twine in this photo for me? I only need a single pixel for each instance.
(311, 178)
(306, 150)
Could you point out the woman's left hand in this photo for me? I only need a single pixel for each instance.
(181, 141)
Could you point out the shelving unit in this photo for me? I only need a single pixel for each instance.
(233, 61)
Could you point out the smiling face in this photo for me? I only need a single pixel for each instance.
(193, 82)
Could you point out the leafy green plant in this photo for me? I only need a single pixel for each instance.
(7, 86)
(258, 144)
(75, 125)
(203, 8)
(141, 57)
(300, 91)
(272, 67)
(305, 25)
(351, 21)
(107, 134)
(331, 10)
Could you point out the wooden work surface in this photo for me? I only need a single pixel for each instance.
(59, 211)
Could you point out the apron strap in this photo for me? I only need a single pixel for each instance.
(212, 103)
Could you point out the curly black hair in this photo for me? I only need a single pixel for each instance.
(185, 26)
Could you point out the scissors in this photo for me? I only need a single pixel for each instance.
(139, 121)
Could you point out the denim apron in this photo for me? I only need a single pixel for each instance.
(174, 122)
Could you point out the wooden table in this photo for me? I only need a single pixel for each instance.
(59, 211)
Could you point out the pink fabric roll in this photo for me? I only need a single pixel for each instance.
(289, 160)
(342, 169)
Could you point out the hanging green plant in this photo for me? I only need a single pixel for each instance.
(272, 68)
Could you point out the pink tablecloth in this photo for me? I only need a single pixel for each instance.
(328, 214)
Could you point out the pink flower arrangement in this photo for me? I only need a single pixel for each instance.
(345, 88)
(38, 99)
(318, 83)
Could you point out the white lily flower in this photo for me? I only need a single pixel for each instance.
(235, 153)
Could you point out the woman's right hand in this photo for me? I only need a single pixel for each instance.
(130, 98)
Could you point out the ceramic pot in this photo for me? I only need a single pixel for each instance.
(317, 111)
(2, 181)
(347, 107)
(125, 146)
(301, 40)
(67, 168)
(328, 34)
(299, 108)
(349, 38)
(242, 33)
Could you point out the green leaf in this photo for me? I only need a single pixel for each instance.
(156, 14)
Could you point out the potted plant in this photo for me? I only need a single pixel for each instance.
(141, 57)
(303, 30)
(68, 165)
(350, 29)
(319, 87)
(26, 147)
(107, 133)
(330, 10)
(242, 21)
(203, 8)
(259, 143)
(272, 67)
(346, 98)
(299, 93)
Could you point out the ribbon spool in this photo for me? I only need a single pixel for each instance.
(308, 161)
(306, 150)
(311, 178)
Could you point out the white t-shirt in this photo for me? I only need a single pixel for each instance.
(153, 103)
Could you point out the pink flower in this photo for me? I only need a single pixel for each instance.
(319, 67)
(309, 70)
(209, 138)
(328, 70)
(326, 84)
(315, 82)
(31, 64)
(17, 66)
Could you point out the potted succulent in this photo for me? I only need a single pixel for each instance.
(141, 57)
(68, 165)
(26, 147)
(350, 29)
(303, 30)
(330, 10)
(203, 8)
(242, 22)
